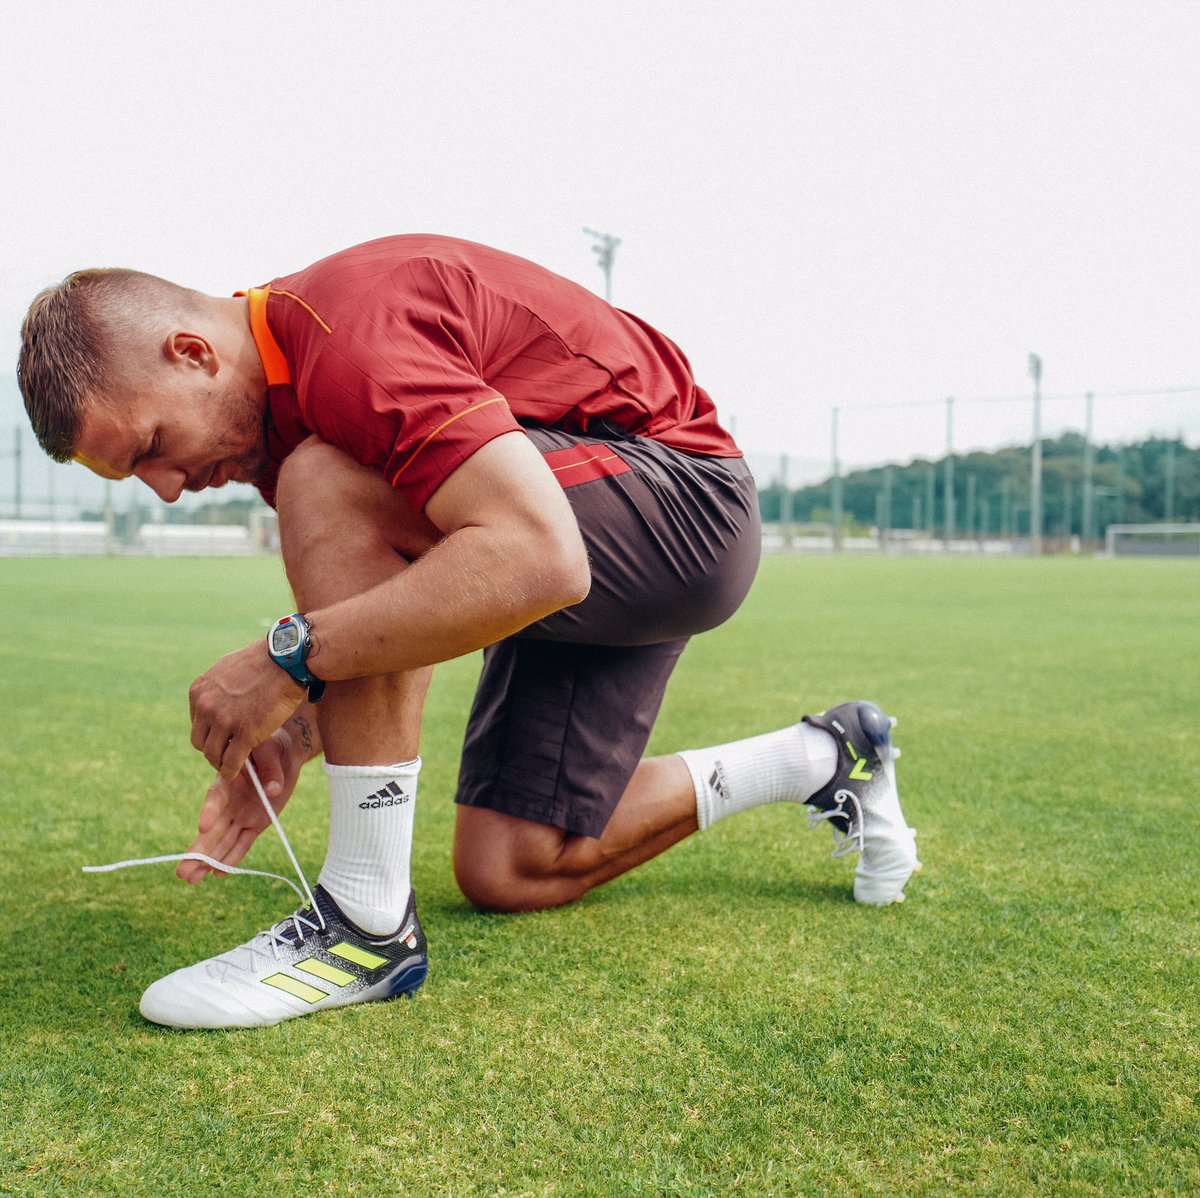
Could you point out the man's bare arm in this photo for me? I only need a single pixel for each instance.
(512, 554)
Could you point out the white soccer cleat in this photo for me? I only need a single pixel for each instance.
(862, 803)
(314, 959)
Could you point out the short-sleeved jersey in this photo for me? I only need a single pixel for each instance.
(411, 352)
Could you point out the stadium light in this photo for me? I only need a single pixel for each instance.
(605, 248)
(1035, 482)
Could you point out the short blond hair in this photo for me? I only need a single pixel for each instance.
(70, 342)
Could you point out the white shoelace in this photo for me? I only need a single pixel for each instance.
(305, 895)
(844, 843)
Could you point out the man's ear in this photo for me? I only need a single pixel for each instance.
(190, 351)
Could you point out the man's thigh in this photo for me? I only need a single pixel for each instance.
(564, 709)
(558, 728)
(673, 539)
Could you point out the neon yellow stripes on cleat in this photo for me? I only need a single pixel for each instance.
(325, 971)
(281, 981)
(356, 955)
(859, 773)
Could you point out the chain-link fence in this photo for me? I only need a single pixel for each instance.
(1059, 495)
(1099, 461)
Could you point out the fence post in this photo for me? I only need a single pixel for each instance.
(786, 510)
(948, 498)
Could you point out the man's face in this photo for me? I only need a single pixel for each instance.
(181, 433)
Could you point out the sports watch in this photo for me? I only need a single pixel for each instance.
(289, 643)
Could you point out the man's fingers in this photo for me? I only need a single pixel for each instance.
(222, 849)
(200, 731)
(191, 871)
(219, 842)
(216, 804)
(214, 742)
(241, 846)
(234, 757)
(269, 763)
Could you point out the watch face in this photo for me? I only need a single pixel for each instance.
(284, 638)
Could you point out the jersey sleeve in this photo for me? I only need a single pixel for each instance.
(399, 384)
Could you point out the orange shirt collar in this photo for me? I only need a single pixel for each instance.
(274, 363)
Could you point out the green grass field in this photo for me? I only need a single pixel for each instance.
(723, 1021)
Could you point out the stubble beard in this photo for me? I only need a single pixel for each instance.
(248, 428)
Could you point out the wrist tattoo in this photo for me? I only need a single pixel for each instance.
(305, 732)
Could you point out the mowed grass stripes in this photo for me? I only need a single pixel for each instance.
(724, 1020)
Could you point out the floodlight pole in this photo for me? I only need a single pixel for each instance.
(1089, 462)
(885, 530)
(110, 522)
(1035, 482)
(1169, 503)
(605, 248)
(836, 506)
(948, 487)
(786, 505)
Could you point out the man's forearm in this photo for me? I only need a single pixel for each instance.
(471, 590)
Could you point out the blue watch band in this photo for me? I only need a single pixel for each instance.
(289, 643)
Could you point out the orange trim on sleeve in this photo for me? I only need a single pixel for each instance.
(274, 363)
(445, 423)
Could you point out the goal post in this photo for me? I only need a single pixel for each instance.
(1152, 540)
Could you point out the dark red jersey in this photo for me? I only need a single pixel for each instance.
(411, 352)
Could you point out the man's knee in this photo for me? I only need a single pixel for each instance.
(488, 881)
(505, 864)
(332, 507)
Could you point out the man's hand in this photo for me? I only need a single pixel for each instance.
(237, 704)
(233, 816)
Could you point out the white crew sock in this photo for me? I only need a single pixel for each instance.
(370, 842)
(791, 764)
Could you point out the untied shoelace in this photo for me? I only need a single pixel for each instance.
(306, 894)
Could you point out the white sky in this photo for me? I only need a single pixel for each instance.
(824, 203)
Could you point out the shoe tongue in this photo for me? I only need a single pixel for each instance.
(326, 909)
(326, 906)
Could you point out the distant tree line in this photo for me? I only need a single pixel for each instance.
(1154, 480)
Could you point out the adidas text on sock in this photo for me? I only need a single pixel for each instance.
(788, 765)
(367, 867)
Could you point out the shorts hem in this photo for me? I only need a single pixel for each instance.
(551, 814)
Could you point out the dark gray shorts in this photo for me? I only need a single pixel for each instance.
(564, 708)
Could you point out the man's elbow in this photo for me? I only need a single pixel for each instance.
(571, 575)
(565, 574)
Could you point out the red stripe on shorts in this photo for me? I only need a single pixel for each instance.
(584, 463)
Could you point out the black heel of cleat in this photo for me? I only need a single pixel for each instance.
(876, 726)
